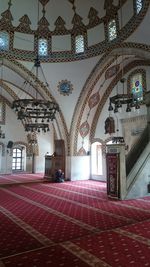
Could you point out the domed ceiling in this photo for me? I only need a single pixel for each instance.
(59, 22)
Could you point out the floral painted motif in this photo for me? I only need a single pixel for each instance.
(94, 99)
(81, 152)
(65, 87)
(111, 71)
(84, 129)
(44, 2)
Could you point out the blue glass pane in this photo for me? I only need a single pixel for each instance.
(42, 47)
(4, 41)
(65, 87)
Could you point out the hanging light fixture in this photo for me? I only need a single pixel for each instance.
(117, 101)
(35, 113)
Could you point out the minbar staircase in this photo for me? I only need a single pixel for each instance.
(137, 162)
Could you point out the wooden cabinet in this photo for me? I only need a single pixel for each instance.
(55, 161)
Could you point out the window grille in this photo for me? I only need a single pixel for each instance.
(79, 44)
(42, 47)
(112, 30)
(4, 41)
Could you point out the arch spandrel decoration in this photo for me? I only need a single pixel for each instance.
(127, 69)
(95, 76)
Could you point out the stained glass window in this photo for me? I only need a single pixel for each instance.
(79, 44)
(139, 4)
(137, 86)
(42, 47)
(112, 30)
(4, 41)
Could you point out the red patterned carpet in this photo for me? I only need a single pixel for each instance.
(70, 224)
(20, 178)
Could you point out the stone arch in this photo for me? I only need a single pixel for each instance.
(104, 63)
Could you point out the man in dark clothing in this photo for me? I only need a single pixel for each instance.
(59, 176)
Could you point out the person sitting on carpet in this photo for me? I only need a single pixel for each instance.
(59, 176)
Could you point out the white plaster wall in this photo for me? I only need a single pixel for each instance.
(14, 132)
(141, 34)
(80, 168)
(103, 176)
(75, 72)
(46, 146)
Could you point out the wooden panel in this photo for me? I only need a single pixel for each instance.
(59, 147)
(55, 161)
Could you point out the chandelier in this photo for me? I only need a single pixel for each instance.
(117, 101)
(35, 113)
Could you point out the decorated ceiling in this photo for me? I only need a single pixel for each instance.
(68, 29)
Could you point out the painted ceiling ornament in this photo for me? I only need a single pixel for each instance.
(71, 1)
(94, 99)
(65, 87)
(110, 7)
(93, 17)
(84, 129)
(9, 4)
(60, 26)
(24, 24)
(82, 152)
(44, 2)
(110, 72)
(43, 24)
(6, 20)
(73, 5)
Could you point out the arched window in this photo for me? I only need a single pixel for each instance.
(96, 159)
(42, 47)
(79, 44)
(4, 41)
(136, 83)
(112, 30)
(138, 5)
(17, 160)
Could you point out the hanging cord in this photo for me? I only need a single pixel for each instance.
(37, 61)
